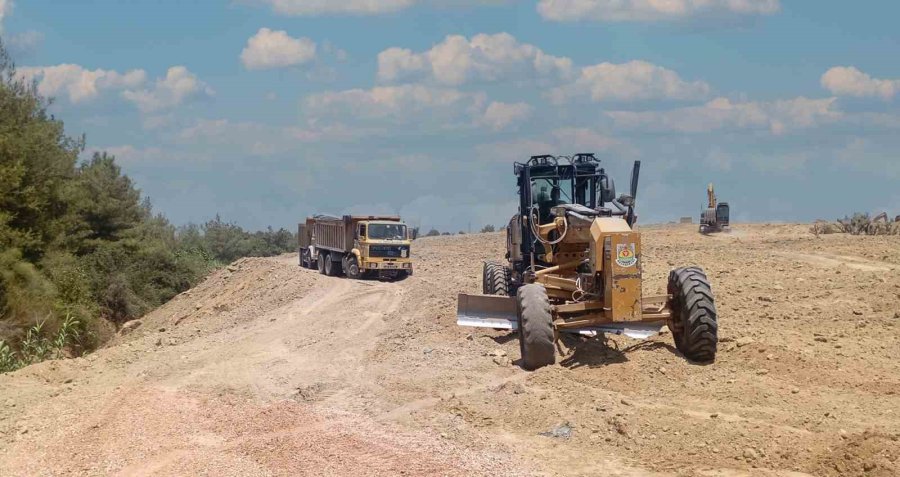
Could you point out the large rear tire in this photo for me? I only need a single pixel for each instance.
(321, 262)
(496, 279)
(536, 336)
(331, 269)
(694, 319)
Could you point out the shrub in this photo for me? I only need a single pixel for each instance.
(38, 345)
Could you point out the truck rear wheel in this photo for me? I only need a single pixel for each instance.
(496, 279)
(536, 335)
(321, 263)
(694, 319)
(331, 269)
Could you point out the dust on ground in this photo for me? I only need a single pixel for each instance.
(270, 369)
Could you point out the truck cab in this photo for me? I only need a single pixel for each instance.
(383, 245)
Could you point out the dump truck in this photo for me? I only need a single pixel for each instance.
(356, 246)
(575, 264)
(716, 217)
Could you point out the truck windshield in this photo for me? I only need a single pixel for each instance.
(387, 231)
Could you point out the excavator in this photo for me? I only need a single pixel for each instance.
(575, 266)
(716, 216)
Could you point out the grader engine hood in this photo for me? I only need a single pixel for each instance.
(619, 263)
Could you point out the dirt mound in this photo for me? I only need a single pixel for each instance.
(867, 454)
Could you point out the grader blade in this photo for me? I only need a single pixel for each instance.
(487, 311)
(638, 331)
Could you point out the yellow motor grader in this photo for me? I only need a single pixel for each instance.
(575, 267)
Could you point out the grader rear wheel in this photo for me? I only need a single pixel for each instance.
(694, 325)
(496, 279)
(536, 335)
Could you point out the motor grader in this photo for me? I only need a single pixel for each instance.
(575, 266)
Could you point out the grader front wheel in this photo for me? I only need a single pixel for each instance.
(535, 327)
(694, 319)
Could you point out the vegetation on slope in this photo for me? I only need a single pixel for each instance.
(81, 251)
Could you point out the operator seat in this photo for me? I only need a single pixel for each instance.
(546, 203)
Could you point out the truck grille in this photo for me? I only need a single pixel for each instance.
(387, 251)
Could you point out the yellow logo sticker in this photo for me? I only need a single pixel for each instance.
(626, 255)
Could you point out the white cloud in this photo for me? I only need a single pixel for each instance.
(559, 141)
(5, 9)
(576, 140)
(457, 60)
(409, 108)
(178, 86)
(357, 7)
(24, 43)
(778, 117)
(651, 10)
(400, 103)
(864, 154)
(325, 7)
(635, 80)
(276, 49)
(157, 122)
(849, 81)
(251, 138)
(258, 139)
(129, 155)
(499, 116)
(78, 83)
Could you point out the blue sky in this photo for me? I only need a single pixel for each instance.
(267, 110)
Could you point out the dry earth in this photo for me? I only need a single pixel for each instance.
(269, 369)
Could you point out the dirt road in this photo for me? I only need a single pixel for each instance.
(269, 369)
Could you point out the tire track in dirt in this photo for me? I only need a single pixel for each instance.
(278, 382)
(833, 261)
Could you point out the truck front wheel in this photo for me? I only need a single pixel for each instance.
(351, 267)
(306, 259)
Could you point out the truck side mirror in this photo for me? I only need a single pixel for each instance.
(362, 230)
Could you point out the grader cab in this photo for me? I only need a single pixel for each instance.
(574, 266)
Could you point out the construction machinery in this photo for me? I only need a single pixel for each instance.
(356, 246)
(575, 266)
(716, 216)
